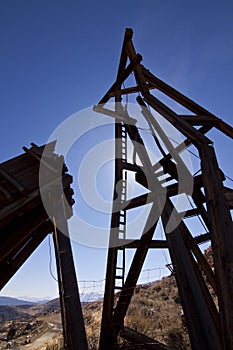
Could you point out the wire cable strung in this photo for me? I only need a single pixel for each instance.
(51, 261)
(198, 216)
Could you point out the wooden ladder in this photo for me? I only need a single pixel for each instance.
(120, 266)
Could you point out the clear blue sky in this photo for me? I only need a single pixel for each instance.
(58, 57)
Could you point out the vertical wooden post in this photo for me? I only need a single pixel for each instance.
(60, 287)
(105, 338)
(198, 308)
(72, 317)
(221, 231)
(134, 271)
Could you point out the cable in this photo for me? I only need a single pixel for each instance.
(126, 99)
(198, 216)
(170, 138)
(194, 154)
(163, 252)
(50, 260)
(228, 177)
(198, 171)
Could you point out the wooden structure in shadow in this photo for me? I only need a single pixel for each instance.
(24, 224)
(209, 326)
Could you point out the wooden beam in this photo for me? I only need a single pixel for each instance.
(28, 201)
(121, 78)
(186, 143)
(221, 230)
(123, 57)
(128, 91)
(119, 117)
(138, 338)
(108, 302)
(168, 144)
(6, 194)
(15, 234)
(139, 76)
(199, 309)
(134, 244)
(38, 158)
(133, 275)
(187, 102)
(201, 238)
(11, 179)
(184, 127)
(171, 190)
(8, 269)
(198, 120)
(132, 167)
(229, 196)
(74, 324)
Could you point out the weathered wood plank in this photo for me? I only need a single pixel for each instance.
(110, 113)
(138, 338)
(11, 179)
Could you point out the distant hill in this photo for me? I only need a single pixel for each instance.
(51, 305)
(11, 313)
(8, 301)
(35, 300)
(36, 309)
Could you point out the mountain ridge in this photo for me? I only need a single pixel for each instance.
(10, 301)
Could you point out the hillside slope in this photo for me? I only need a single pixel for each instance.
(155, 310)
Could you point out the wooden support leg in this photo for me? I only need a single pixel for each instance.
(116, 321)
(112, 252)
(73, 324)
(198, 309)
(221, 230)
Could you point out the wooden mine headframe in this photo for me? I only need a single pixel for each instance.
(24, 224)
(209, 327)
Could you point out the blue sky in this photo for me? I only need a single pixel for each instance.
(58, 57)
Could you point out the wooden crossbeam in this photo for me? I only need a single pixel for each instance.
(118, 116)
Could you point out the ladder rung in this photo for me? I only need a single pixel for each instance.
(119, 277)
(118, 287)
(160, 173)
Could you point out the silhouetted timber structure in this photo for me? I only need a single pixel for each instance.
(25, 223)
